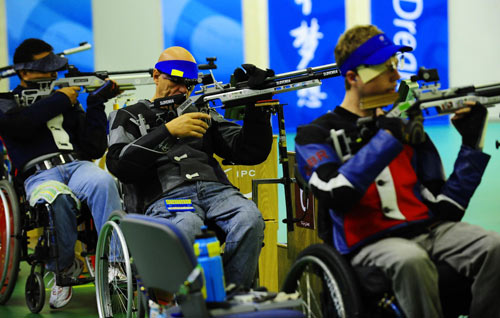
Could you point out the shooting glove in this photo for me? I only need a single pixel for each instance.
(254, 75)
(393, 124)
(472, 126)
(101, 95)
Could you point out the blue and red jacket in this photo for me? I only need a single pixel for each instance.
(386, 188)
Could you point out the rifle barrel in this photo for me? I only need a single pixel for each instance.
(488, 90)
(82, 47)
(305, 71)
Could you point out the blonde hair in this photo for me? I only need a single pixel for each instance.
(350, 40)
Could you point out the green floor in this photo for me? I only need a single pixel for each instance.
(83, 304)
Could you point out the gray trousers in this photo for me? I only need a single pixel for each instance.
(471, 250)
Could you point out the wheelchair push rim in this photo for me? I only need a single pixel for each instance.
(115, 298)
(9, 242)
(324, 285)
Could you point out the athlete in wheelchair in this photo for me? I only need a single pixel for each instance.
(171, 158)
(51, 143)
(389, 205)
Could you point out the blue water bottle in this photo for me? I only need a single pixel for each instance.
(207, 249)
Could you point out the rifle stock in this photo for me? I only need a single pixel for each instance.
(412, 101)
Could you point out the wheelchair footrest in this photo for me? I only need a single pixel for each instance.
(258, 301)
(71, 281)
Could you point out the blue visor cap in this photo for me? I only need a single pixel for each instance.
(376, 50)
(50, 63)
(179, 68)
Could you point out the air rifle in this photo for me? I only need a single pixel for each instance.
(89, 81)
(411, 102)
(236, 94)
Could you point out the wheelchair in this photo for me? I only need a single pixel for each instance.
(120, 296)
(331, 287)
(117, 291)
(172, 268)
(17, 219)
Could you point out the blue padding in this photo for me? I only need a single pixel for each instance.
(367, 163)
(467, 173)
(179, 68)
(309, 157)
(182, 237)
(375, 50)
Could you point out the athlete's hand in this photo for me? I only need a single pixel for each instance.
(188, 125)
(470, 123)
(71, 92)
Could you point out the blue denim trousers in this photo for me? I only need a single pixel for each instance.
(91, 185)
(232, 213)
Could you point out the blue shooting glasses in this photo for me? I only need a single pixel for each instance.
(375, 50)
(50, 63)
(178, 68)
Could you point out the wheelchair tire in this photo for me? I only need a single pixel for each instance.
(35, 292)
(10, 248)
(118, 297)
(325, 283)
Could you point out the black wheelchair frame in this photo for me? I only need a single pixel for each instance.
(17, 218)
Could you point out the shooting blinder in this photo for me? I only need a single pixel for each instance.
(50, 63)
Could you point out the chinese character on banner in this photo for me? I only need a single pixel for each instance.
(311, 97)
(302, 34)
(306, 39)
(306, 6)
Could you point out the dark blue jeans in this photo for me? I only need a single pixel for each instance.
(234, 214)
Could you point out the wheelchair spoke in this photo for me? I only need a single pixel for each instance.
(322, 279)
(308, 294)
(115, 288)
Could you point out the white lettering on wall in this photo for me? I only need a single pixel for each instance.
(408, 15)
(407, 11)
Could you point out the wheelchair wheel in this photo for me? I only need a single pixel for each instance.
(35, 292)
(325, 283)
(10, 229)
(115, 288)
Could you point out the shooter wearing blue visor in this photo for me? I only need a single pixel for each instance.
(179, 68)
(179, 71)
(369, 59)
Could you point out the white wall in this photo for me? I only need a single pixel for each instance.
(474, 43)
(128, 35)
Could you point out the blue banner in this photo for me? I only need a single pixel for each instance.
(206, 29)
(61, 23)
(302, 34)
(423, 25)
